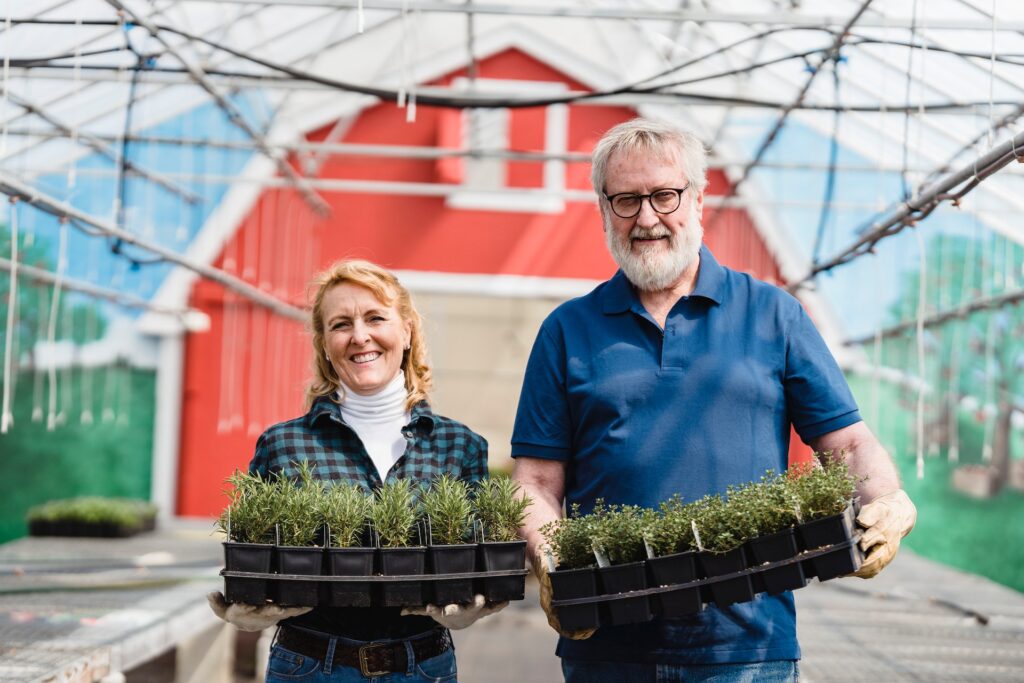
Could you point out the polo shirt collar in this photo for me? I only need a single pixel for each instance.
(619, 296)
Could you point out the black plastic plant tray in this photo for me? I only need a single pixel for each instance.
(840, 550)
(375, 580)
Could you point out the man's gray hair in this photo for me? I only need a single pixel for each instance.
(651, 137)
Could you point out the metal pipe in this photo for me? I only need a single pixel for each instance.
(15, 188)
(925, 200)
(589, 11)
(96, 291)
(101, 147)
(985, 304)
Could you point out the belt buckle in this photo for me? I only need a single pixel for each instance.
(363, 664)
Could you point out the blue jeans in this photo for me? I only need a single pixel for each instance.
(623, 672)
(286, 666)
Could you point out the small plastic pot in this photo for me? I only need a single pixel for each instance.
(731, 590)
(830, 530)
(623, 578)
(670, 570)
(247, 557)
(775, 548)
(841, 560)
(403, 562)
(452, 559)
(349, 562)
(307, 561)
(569, 584)
(500, 556)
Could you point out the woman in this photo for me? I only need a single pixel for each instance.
(368, 422)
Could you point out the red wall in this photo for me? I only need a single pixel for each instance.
(281, 244)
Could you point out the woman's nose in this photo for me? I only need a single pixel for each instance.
(360, 333)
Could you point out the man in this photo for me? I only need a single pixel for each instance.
(679, 375)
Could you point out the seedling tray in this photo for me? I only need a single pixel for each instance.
(841, 558)
(375, 580)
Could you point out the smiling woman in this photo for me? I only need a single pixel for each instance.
(364, 339)
(368, 422)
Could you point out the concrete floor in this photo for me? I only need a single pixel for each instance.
(917, 621)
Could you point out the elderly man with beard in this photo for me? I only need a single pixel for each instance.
(679, 375)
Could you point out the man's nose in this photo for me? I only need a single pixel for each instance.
(648, 217)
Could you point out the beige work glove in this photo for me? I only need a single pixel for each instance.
(251, 617)
(886, 520)
(456, 616)
(545, 602)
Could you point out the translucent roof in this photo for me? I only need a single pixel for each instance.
(827, 117)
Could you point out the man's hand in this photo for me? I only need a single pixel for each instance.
(545, 602)
(251, 617)
(457, 616)
(886, 520)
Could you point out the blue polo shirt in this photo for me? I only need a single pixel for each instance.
(638, 414)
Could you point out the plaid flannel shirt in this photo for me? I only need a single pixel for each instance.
(436, 445)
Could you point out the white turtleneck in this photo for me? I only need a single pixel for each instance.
(378, 420)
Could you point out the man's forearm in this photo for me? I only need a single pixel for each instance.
(544, 509)
(866, 458)
(544, 482)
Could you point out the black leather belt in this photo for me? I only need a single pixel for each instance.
(372, 659)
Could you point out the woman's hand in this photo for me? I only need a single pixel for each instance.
(456, 616)
(251, 617)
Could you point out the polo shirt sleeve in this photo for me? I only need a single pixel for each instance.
(542, 426)
(818, 399)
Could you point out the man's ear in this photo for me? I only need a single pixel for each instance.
(699, 205)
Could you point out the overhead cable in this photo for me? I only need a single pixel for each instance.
(314, 200)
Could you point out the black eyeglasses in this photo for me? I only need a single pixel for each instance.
(628, 204)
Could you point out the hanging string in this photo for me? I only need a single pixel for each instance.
(125, 396)
(37, 369)
(7, 82)
(830, 179)
(921, 304)
(906, 94)
(228, 339)
(992, 82)
(87, 372)
(76, 80)
(876, 383)
(67, 333)
(51, 333)
(407, 91)
(360, 17)
(6, 417)
(987, 282)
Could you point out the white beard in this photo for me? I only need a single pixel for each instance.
(649, 267)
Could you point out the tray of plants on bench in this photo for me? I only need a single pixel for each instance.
(306, 543)
(92, 516)
(623, 564)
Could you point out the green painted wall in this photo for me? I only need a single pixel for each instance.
(983, 537)
(112, 458)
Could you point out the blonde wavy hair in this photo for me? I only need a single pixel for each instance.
(390, 292)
